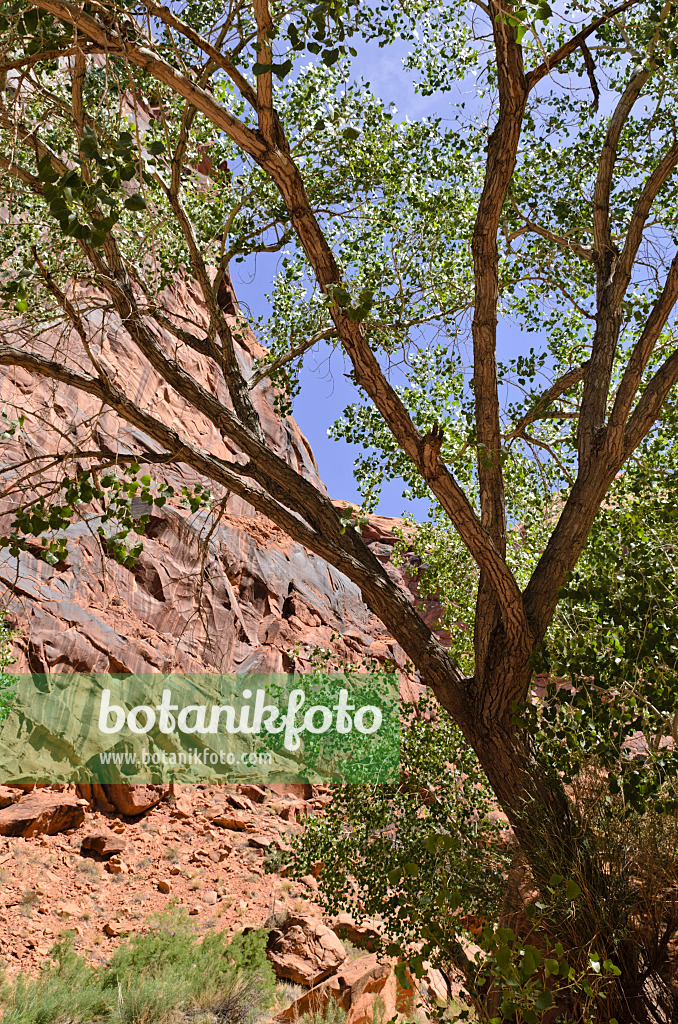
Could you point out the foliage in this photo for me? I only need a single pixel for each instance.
(415, 852)
(333, 1014)
(354, 753)
(614, 638)
(113, 493)
(430, 861)
(523, 981)
(160, 976)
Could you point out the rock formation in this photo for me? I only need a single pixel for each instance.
(235, 596)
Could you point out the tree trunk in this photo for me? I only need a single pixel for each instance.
(554, 838)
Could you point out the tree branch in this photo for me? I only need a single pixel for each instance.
(551, 236)
(267, 122)
(250, 142)
(287, 357)
(567, 49)
(591, 72)
(70, 311)
(648, 409)
(608, 317)
(633, 374)
(558, 388)
(620, 438)
(602, 235)
(234, 379)
(23, 175)
(78, 78)
(35, 58)
(170, 19)
(502, 150)
(634, 237)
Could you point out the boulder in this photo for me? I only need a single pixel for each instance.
(231, 820)
(104, 844)
(254, 793)
(363, 935)
(42, 812)
(95, 796)
(434, 986)
(298, 790)
(259, 842)
(304, 950)
(117, 866)
(365, 989)
(9, 795)
(241, 803)
(295, 811)
(378, 995)
(134, 800)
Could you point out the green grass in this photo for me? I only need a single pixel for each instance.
(163, 976)
(332, 1014)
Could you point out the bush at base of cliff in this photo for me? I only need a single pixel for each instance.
(417, 852)
(160, 977)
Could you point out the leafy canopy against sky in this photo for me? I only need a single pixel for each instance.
(396, 199)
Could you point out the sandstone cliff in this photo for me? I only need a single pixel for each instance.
(235, 596)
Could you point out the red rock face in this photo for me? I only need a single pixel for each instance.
(236, 599)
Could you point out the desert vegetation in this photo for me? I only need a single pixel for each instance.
(160, 976)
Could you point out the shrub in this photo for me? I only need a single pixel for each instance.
(163, 975)
(414, 852)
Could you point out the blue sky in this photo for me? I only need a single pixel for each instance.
(325, 390)
(325, 395)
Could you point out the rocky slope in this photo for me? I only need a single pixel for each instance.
(102, 876)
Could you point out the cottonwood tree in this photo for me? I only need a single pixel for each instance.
(142, 140)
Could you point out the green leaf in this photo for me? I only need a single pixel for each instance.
(503, 957)
(572, 890)
(135, 202)
(88, 148)
(544, 1000)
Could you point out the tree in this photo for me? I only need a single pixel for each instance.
(140, 141)
(426, 856)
